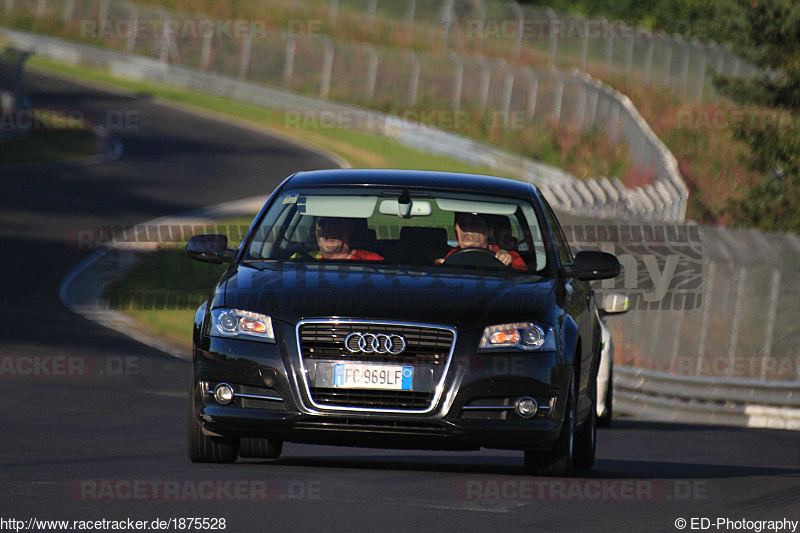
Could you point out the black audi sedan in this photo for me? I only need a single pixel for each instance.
(399, 309)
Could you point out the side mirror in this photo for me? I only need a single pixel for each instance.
(210, 248)
(592, 265)
(615, 304)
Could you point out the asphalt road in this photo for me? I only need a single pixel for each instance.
(108, 443)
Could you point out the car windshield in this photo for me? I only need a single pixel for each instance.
(400, 227)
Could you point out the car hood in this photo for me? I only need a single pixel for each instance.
(292, 291)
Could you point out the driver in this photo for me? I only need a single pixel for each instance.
(333, 239)
(472, 232)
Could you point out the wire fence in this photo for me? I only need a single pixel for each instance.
(706, 301)
(537, 35)
(446, 90)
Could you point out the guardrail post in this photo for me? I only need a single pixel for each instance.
(558, 94)
(508, 87)
(702, 71)
(334, 9)
(446, 19)
(737, 315)
(413, 87)
(244, 57)
(628, 55)
(648, 57)
(288, 65)
(327, 68)
(520, 27)
(676, 341)
(103, 13)
(458, 80)
(412, 6)
(551, 15)
(533, 87)
(486, 79)
(668, 61)
(684, 78)
(372, 72)
(609, 47)
(371, 9)
(703, 341)
(130, 45)
(580, 107)
(772, 311)
(168, 46)
(205, 53)
(482, 16)
(584, 43)
(69, 9)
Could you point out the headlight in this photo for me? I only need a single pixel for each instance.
(522, 335)
(241, 324)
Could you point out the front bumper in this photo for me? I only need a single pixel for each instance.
(475, 409)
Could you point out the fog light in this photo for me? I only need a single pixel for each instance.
(526, 407)
(223, 393)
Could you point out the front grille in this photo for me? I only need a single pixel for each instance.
(426, 347)
(345, 424)
(376, 399)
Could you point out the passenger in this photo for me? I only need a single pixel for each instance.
(333, 239)
(472, 232)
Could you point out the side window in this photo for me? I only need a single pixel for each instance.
(562, 246)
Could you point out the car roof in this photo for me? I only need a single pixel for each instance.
(413, 178)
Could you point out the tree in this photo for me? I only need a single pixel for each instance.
(767, 33)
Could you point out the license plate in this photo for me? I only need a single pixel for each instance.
(384, 377)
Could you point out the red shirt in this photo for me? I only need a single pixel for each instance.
(365, 255)
(516, 261)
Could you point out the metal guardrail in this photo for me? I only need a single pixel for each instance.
(655, 395)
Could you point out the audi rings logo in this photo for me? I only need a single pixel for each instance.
(374, 343)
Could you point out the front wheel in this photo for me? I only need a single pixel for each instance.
(557, 462)
(206, 449)
(604, 420)
(586, 442)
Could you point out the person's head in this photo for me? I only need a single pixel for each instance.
(471, 231)
(333, 236)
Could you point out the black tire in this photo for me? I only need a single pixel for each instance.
(586, 435)
(586, 441)
(605, 420)
(558, 462)
(204, 449)
(260, 448)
